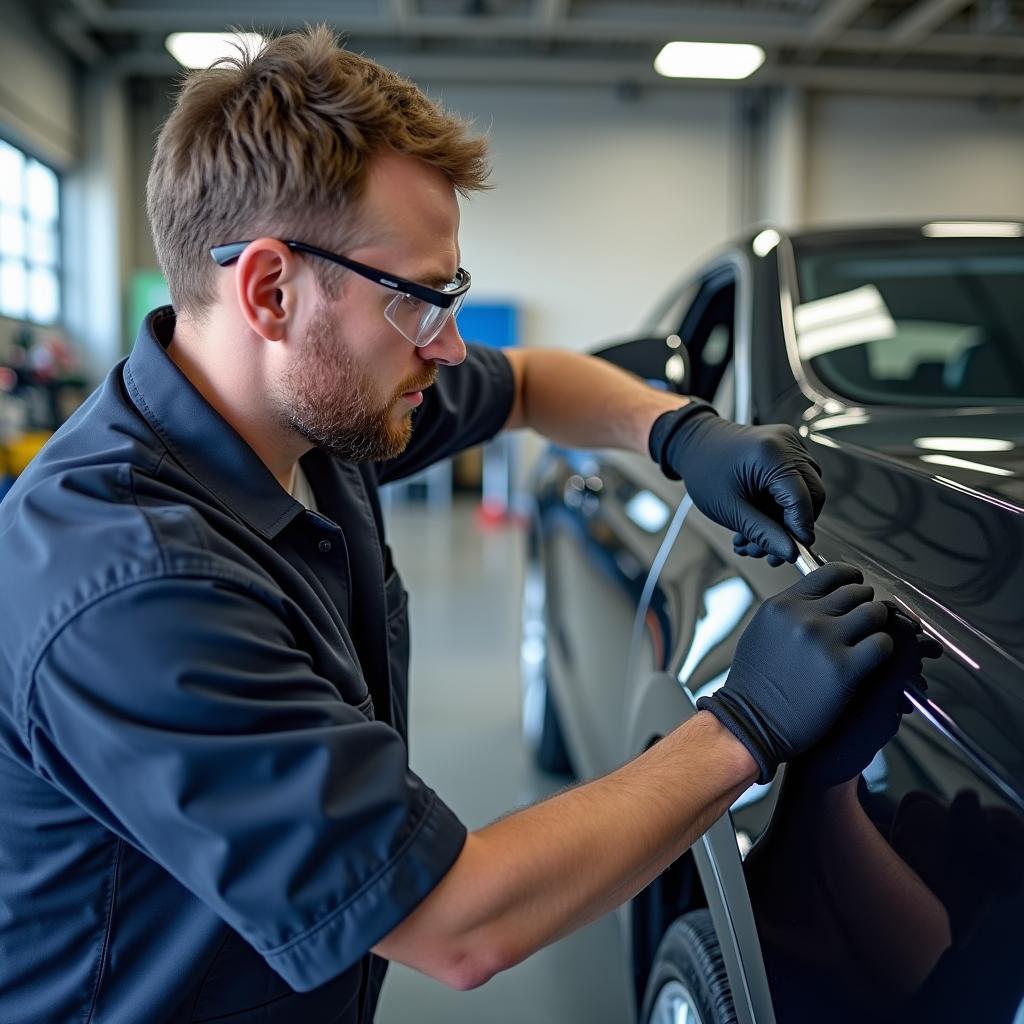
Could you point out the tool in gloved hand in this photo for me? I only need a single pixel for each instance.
(799, 663)
(756, 480)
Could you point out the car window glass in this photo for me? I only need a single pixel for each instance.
(724, 399)
(707, 333)
(668, 315)
(933, 322)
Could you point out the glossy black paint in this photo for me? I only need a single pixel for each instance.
(895, 894)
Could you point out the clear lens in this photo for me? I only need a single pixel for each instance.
(405, 312)
(419, 321)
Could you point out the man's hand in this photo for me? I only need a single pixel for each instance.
(758, 481)
(874, 715)
(799, 663)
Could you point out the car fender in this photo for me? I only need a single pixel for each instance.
(658, 705)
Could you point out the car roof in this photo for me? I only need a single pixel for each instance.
(896, 231)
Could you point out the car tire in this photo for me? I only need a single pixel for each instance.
(688, 981)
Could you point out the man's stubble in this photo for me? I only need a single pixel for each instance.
(334, 403)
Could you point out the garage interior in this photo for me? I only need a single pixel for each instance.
(612, 182)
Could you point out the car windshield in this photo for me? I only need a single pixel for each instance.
(930, 321)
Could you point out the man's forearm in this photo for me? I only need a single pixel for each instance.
(542, 872)
(584, 402)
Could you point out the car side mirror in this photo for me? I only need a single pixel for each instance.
(663, 361)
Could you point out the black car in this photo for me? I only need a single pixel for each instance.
(880, 878)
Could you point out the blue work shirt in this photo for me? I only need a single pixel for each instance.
(206, 808)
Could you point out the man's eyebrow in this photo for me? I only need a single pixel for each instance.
(437, 281)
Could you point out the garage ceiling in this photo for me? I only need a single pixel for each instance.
(938, 47)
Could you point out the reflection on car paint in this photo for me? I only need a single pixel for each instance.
(648, 511)
(725, 604)
(890, 904)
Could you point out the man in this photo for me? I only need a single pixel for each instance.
(208, 807)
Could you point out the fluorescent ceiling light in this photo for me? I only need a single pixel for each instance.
(201, 49)
(973, 229)
(964, 444)
(708, 60)
(950, 460)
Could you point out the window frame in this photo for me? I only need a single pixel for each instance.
(57, 226)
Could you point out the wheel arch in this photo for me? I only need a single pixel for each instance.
(709, 874)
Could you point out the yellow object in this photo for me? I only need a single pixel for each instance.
(17, 454)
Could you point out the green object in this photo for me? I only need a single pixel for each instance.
(148, 290)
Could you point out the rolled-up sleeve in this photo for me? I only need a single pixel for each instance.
(180, 713)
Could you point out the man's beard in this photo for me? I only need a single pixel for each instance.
(333, 403)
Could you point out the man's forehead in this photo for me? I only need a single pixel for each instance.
(415, 256)
(412, 215)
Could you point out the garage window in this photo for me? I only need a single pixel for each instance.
(29, 238)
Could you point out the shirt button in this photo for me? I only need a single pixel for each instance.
(325, 546)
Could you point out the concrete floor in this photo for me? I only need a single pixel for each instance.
(464, 584)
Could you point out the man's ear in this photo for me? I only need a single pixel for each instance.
(267, 286)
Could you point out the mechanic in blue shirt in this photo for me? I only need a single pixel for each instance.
(207, 807)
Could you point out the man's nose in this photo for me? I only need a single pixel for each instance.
(447, 348)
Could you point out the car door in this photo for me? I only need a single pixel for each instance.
(604, 516)
(892, 894)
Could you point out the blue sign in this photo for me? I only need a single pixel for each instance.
(489, 323)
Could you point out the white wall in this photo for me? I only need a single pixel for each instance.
(99, 211)
(871, 158)
(600, 205)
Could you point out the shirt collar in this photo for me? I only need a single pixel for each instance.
(197, 436)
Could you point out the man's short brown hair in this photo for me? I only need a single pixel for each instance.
(279, 142)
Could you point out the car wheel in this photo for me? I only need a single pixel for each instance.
(542, 732)
(688, 983)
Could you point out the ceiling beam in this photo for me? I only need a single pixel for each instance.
(920, 21)
(699, 23)
(538, 71)
(401, 12)
(704, 25)
(550, 12)
(962, 44)
(833, 19)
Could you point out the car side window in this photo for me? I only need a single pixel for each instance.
(708, 332)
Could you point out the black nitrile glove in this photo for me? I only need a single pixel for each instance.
(758, 481)
(799, 663)
(874, 715)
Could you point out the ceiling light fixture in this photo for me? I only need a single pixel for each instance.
(201, 49)
(708, 60)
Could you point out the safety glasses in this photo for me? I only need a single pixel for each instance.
(417, 312)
